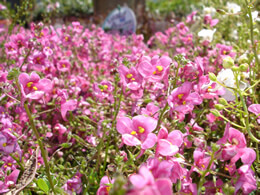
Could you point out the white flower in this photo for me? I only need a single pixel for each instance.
(233, 8)
(206, 34)
(226, 77)
(255, 16)
(209, 10)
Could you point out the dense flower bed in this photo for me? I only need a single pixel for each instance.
(83, 111)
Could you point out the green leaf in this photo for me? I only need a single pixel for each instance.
(13, 74)
(43, 185)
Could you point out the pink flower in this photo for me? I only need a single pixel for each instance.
(32, 87)
(234, 147)
(130, 77)
(9, 182)
(182, 100)
(74, 185)
(190, 17)
(2, 7)
(155, 70)
(137, 131)
(63, 66)
(145, 183)
(69, 105)
(8, 143)
(105, 185)
(103, 90)
(201, 160)
(168, 144)
(182, 28)
(208, 20)
(255, 108)
(150, 110)
(246, 181)
(60, 130)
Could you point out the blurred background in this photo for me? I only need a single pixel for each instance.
(152, 15)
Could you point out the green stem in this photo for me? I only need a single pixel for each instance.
(43, 151)
(36, 133)
(251, 26)
(202, 179)
(18, 162)
(246, 116)
(232, 123)
(109, 137)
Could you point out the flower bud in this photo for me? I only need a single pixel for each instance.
(221, 11)
(219, 106)
(215, 113)
(222, 101)
(228, 62)
(243, 67)
(242, 59)
(235, 68)
(212, 76)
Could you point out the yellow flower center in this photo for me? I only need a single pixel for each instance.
(133, 132)
(35, 88)
(64, 65)
(66, 38)
(224, 52)
(9, 164)
(105, 86)
(108, 189)
(159, 69)
(184, 102)
(203, 166)
(129, 76)
(29, 84)
(141, 129)
(4, 144)
(180, 95)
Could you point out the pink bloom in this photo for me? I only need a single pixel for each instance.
(103, 90)
(150, 110)
(182, 28)
(234, 147)
(63, 66)
(8, 142)
(246, 181)
(182, 100)
(155, 70)
(130, 77)
(145, 183)
(73, 185)
(77, 27)
(168, 144)
(9, 182)
(212, 188)
(137, 131)
(69, 105)
(2, 7)
(255, 108)
(32, 87)
(208, 20)
(105, 186)
(60, 130)
(190, 17)
(201, 160)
